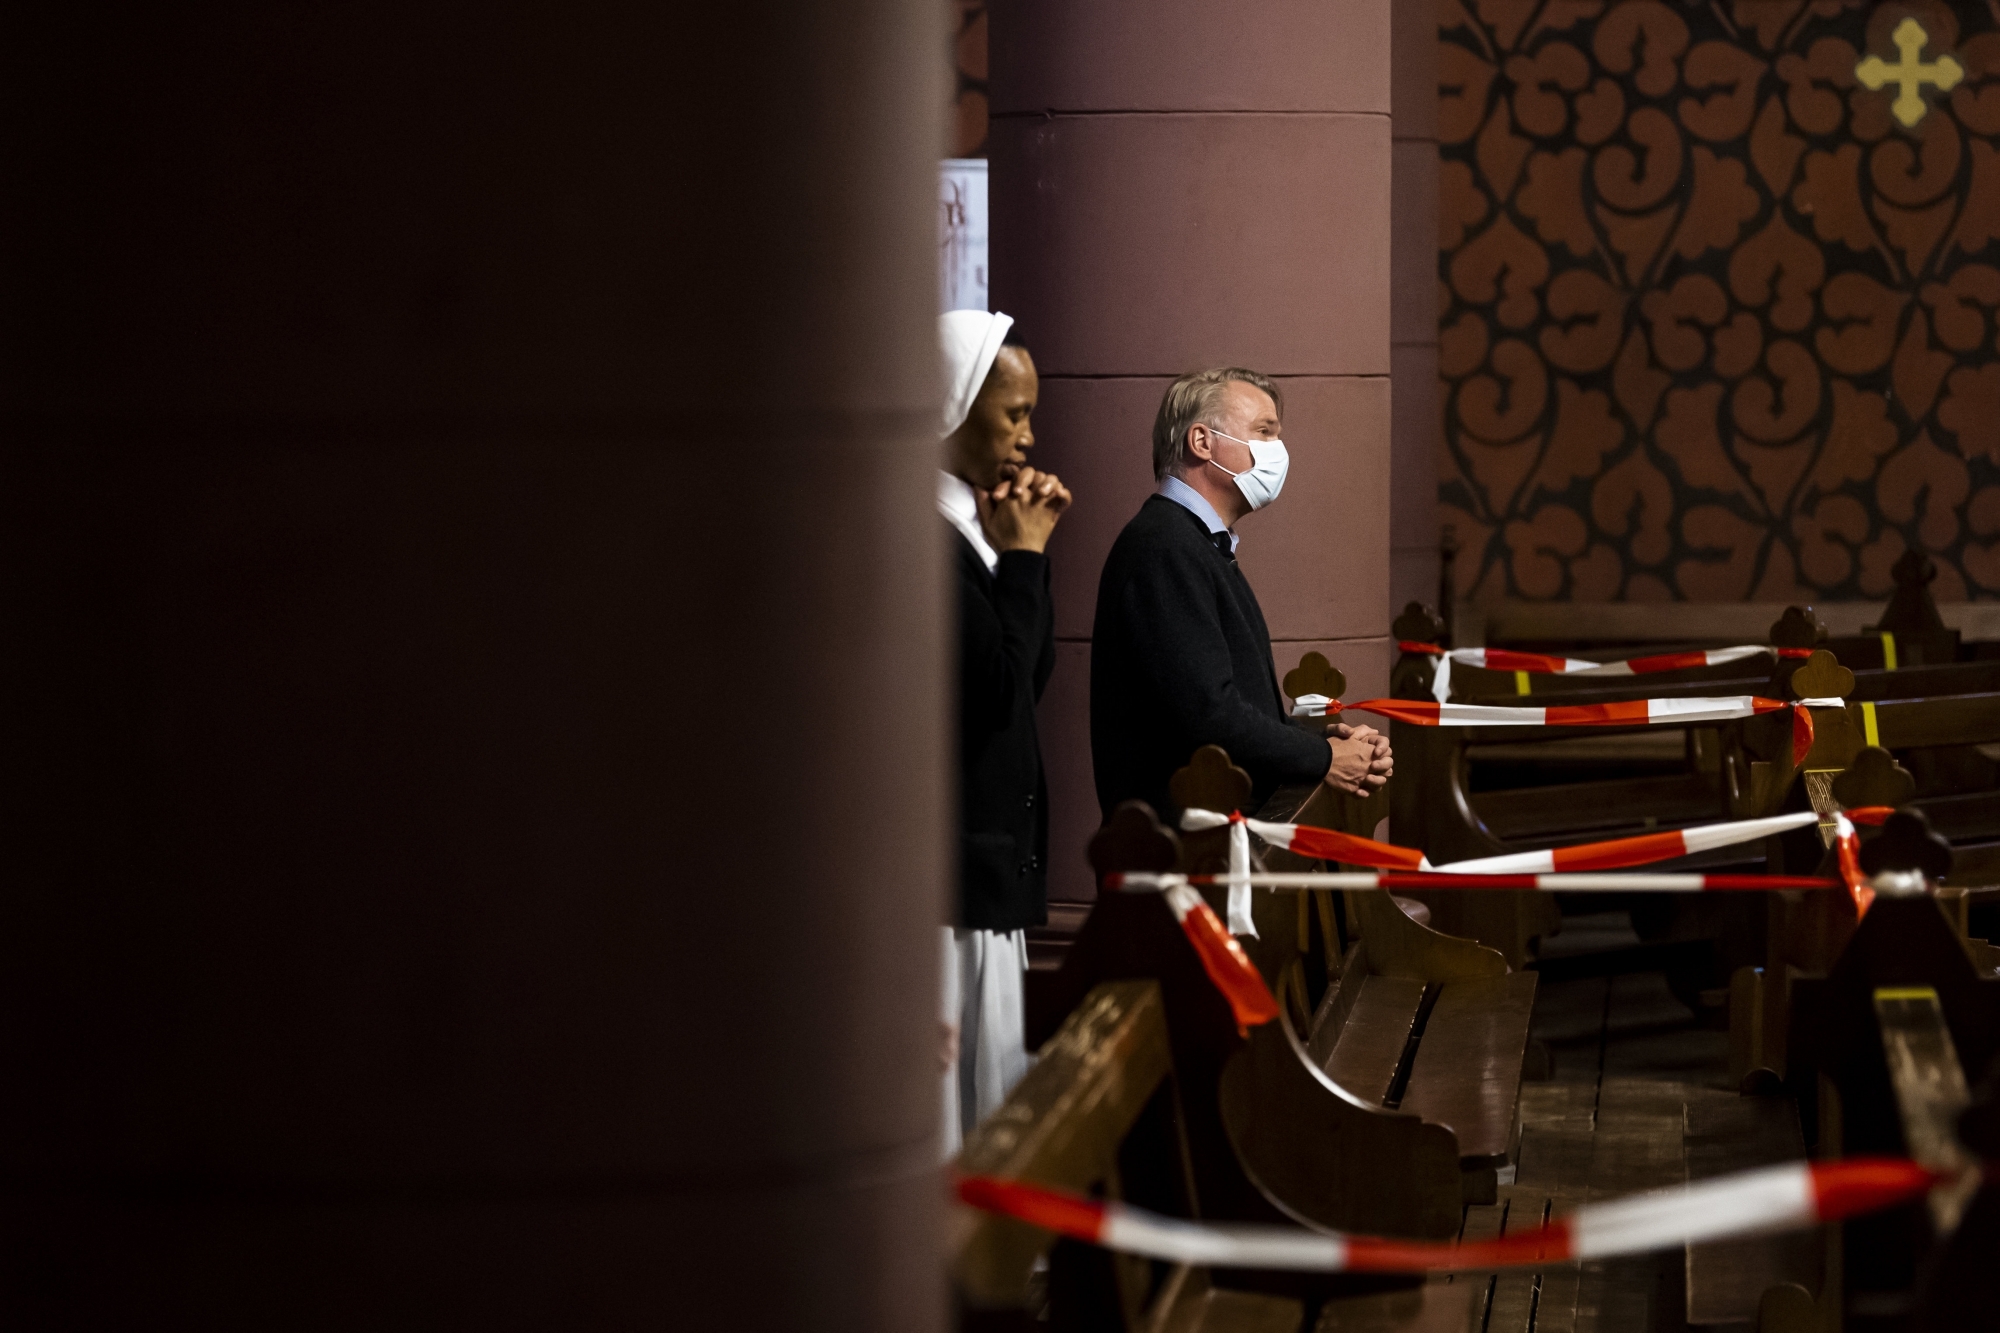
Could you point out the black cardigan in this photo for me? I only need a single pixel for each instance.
(1180, 658)
(1006, 650)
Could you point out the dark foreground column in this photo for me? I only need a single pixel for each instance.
(472, 668)
(1179, 184)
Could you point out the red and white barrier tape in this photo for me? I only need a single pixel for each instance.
(1627, 713)
(1250, 1000)
(1322, 844)
(1612, 854)
(1505, 659)
(1623, 882)
(1541, 664)
(1777, 1198)
(1642, 849)
(1847, 852)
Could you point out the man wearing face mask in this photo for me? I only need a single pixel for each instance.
(1180, 654)
(1000, 512)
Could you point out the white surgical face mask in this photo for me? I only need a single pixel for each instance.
(1265, 477)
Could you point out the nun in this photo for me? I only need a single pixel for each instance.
(999, 512)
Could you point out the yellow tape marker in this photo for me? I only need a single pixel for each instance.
(1889, 652)
(1905, 993)
(1868, 733)
(1520, 682)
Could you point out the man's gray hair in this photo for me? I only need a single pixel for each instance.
(1193, 399)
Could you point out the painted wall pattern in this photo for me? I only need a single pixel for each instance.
(1714, 325)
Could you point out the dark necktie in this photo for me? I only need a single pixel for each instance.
(1222, 544)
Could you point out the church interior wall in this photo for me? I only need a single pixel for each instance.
(1145, 223)
(1716, 326)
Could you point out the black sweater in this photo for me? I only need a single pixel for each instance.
(1006, 650)
(1180, 658)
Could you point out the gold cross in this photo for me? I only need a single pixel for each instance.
(1911, 74)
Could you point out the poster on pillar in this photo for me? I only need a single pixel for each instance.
(1718, 290)
(962, 234)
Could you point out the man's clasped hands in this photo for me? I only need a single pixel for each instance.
(1361, 758)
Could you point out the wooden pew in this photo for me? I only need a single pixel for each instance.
(1805, 933)
(1593, 784)
(1097, 1114)
(1271, 1132)
(1437, 810)
(1677, 786)
(1679, 781)
(1923, 733)
(1688, 780)
(1509, 923)
(1418, 624)
(1807, 930)
(1271, 1138)
(1926, 1265)
(1691, 778)
(1911, 632)
(1398, 1014)
(1565, 787)
(1877, 1048)
(1737, 770)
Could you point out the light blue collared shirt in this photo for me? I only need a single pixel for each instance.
(1192, 500)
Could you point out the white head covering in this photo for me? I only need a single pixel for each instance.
(971, 340)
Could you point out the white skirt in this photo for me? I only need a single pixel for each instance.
(983, 972)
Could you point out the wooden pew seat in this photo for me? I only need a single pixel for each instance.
(1451, 1053)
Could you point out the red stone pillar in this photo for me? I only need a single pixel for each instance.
(1413, 312)
(1177, 184)
(475, 837)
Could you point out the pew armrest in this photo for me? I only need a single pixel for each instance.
(1930, 1090)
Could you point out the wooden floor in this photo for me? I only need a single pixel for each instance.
(1636, 1097)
